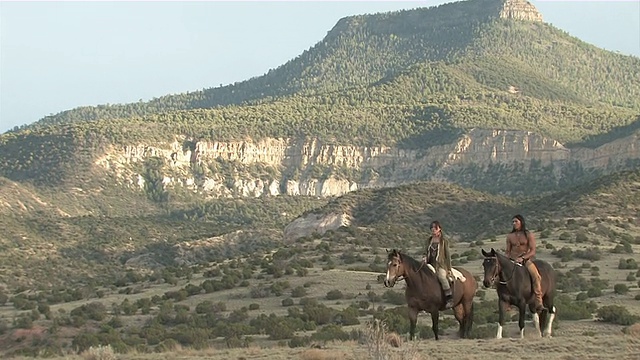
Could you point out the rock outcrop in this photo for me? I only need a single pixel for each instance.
(271, 167)
(520, 10)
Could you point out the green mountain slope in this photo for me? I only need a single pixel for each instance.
(538, 59)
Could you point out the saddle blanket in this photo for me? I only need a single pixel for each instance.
(455, 272)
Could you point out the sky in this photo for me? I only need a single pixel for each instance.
(55, 56)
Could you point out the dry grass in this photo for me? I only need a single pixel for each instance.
(569, 342)
(607, 344)
(393, 339)
(319, 354)
(99, 353)
(384, 345)
(633, 330)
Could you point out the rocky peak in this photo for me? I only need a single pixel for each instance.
(520, 10)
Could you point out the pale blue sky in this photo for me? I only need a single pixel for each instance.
(55, 56)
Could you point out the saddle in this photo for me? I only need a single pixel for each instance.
(455, 274)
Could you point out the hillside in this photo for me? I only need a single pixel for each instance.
(273, 299)
(436, 80)
(256, 215)
(406, 211)
(38, 243)
(474, 36)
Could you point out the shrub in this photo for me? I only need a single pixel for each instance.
(329, 333)
(565, 254)
(616, 314)
(394, 297)
(581, 237)
(299, 341)
(544, 234)
(299, 291)
(569, 309)
(334, 295)
(99, 353)
(565, 236)
(620, 289)
(593, 254)
(594, 292)
(484, 332)
(287, 302)
(627, 264)
(94, 311)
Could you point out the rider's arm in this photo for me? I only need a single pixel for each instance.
(532, 246)
(447, 254)
(508, 249)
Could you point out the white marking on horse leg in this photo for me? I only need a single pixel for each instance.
(499, 334)
(536, 322)
(548, 330)
(522, 333)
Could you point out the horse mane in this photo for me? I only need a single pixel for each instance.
(414, 264)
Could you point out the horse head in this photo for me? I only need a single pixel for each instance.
(395, 268)
(491, 267)
(494, 265)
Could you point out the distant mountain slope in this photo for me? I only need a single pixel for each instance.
(616, 195)
(472, 214)
(533, 57)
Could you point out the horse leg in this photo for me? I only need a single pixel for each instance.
(543, 321)
(552, 311)
(459, 313)
(413, 319)
(434, 323)
(468, 318)
(538, 319)
(521, 309)
(502, 308)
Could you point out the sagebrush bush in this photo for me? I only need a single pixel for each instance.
(99, 352)
(616, 314)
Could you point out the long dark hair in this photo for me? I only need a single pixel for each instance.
(523, 226)
(435, 223)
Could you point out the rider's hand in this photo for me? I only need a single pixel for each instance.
(520, 260)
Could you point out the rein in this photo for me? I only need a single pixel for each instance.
(499, 269)
(400, 278)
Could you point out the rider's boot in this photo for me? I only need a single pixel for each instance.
(448, 297)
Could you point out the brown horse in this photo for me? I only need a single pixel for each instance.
(515, 288)
(424, 292)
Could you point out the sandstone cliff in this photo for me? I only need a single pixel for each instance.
(520, 10)
(310, 167)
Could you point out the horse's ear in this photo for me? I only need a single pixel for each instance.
(485, 254)
(493, 251)
(387, 250)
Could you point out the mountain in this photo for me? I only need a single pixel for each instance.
(480, 103)
(497, 43)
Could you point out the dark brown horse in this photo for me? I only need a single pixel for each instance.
(424, 292)
(515, 288)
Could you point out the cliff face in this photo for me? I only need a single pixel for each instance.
(310, 167)
(520, 10)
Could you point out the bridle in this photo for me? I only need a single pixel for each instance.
(403, 277)
(498, 271)
(396, 277)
